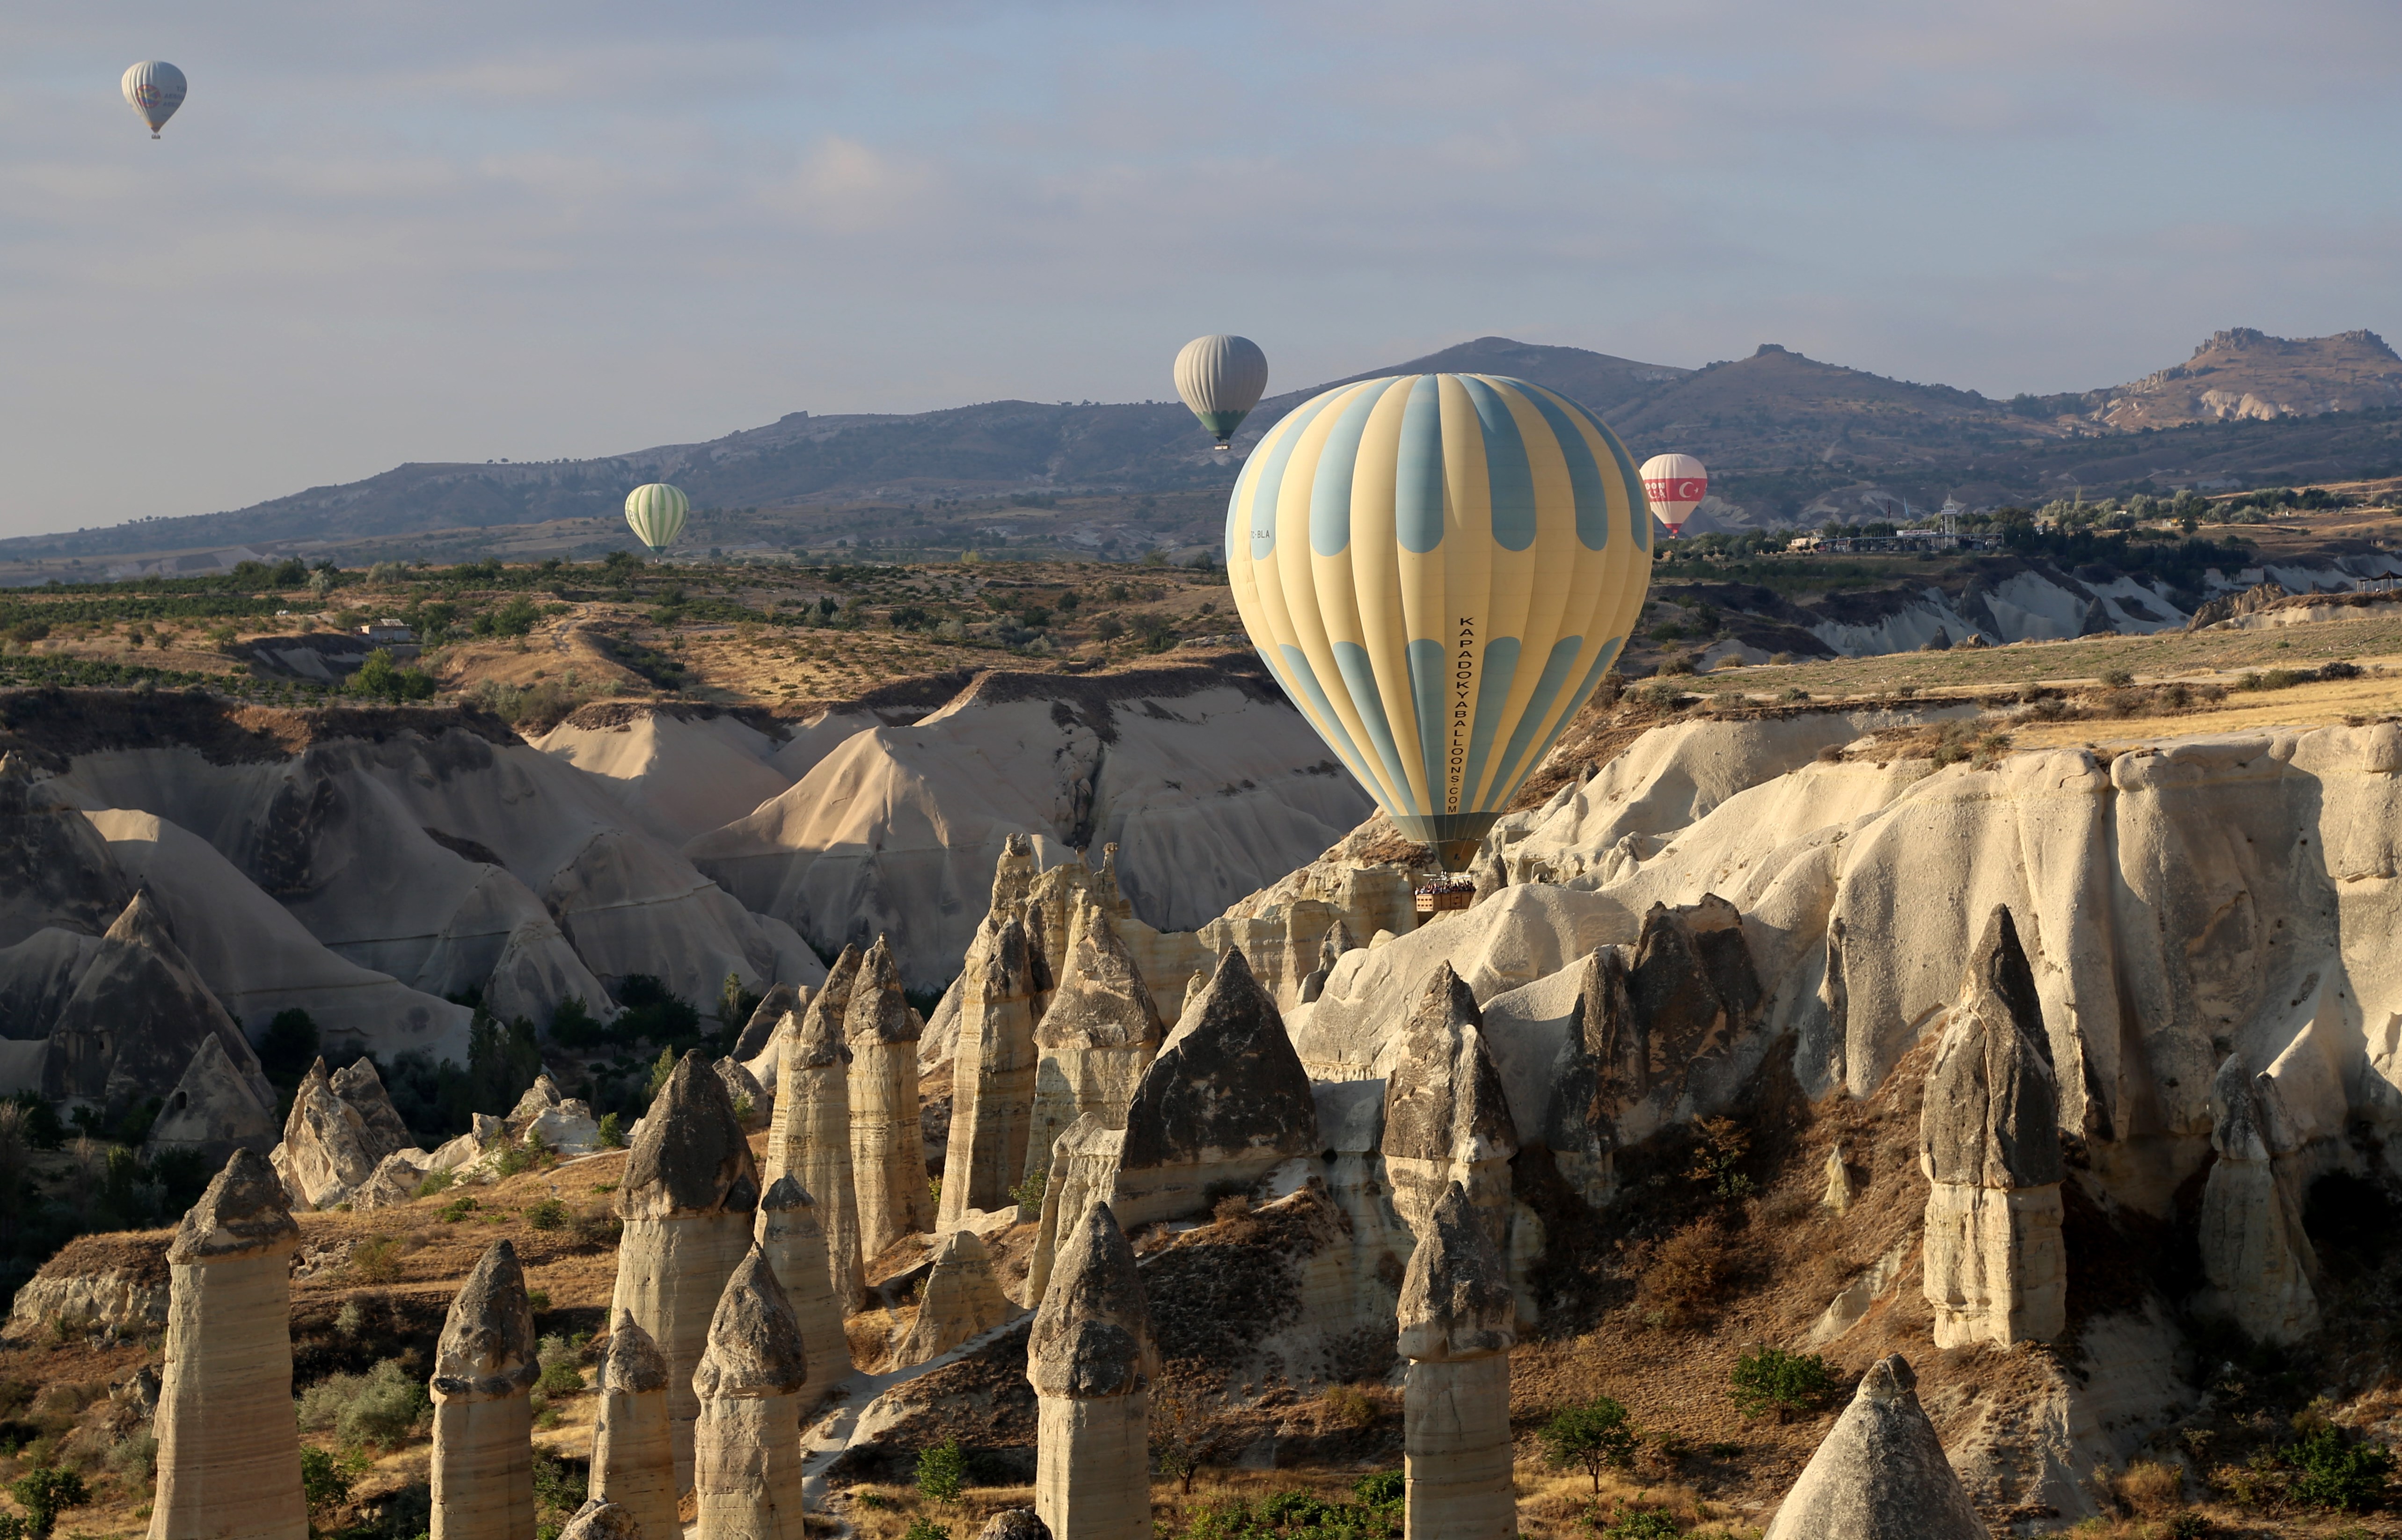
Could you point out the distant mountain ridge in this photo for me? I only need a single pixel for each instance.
(1783, 434)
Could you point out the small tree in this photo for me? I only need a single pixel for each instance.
(1590, 1437)
(660, 1069)
(943, 1471)
(1769, 1378)
(44, 1493)
(1183, 1436)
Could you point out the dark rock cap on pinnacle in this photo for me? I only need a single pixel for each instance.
(1228, 1085)
(754, 1340)
(1603, 1065)
(1443, 1100)
(1456, 1300)
(1991, 1112)
(1102, 1000)
(877, 1008)
(786, 1195)
(1015, 1523)
(781, 1000)
(599, 1520)
(691, 1157)
(633, 1364)
(487, 1349)
(818, 1040)
(243, 1211)
(1092, 1338)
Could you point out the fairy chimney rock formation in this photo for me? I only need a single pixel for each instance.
(1989, 1142)
(1223, 1105)
(1458, 1321)
(747, 1446)
(1446, 1121)
(1839, 1192)
(228, 1454)
(2254, 1256)
(362, 1090)
(809, 1139)
(212, 1110)
(1338, 940)
(634, 1457)
(1880, 1474)
(1603, 1072)
(689, 1190)
(135, 1018)
(961, 1299)
(759, 1032)
(795, 1244)
(484, 1370)
(1097, 1037)
(992, 1076)
(751, 1103)
(1090, 1357)
(599, 1520)
(888, 1150)
(327, 1148)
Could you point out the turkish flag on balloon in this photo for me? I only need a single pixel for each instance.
(1676, 485)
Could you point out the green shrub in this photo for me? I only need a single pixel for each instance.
(612, 1131)
(381, 1407)
(45, 1492)
(1590, 1437)
(943, 1471)
(2116, 679)
(458, 1209)
(1772, 1380)
(2332, 1471)
(1381, 1488)
(923, 1527)
(549, 1214)
(1642, 1524)
(134, 1459)
(435, 1181)
(1028, 1193)
(324, 1479)
(516, 1160)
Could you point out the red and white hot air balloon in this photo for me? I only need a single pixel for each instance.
(1675, 484)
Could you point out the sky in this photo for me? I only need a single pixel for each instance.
(380, 231)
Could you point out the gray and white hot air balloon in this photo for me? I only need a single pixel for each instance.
(155, 89)
(1221, 378)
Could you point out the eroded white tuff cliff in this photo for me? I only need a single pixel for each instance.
(1091, 1359)
(229, 1449)
(961, 1299)
(747, 1445)
(1098, 1035)
(793, 1243)
(992, 1076)
(1989, 1145)
(687, 1199)
(1879, 1474)
(811, 1137)
(887, 1151)
(633, 1454)
(1458, 1321)
(2254, 1253)
(484, 1370)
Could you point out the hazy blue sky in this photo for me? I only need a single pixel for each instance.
(438, 230)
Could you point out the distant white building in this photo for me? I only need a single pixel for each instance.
(387, 631)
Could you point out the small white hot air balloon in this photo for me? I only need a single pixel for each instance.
(1221, 378)
(656, 514)
(155, 89)
(1675, 484)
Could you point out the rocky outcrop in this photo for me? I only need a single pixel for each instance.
(793, 1243)
(759, 1033)
(1098, 1035)
(1015, 1524)
(2255, 1258)
(602, 1520)
(887, 1151)
(752, 1106)
(633, 1454)
(1222, 1106)
(1446, 1121)
(484, 1370)
(1091, 1357)
(138, 1014)
(811, 1137)
(1338, 940)
(562, 1123)
(1881, 1473)
(55, 871)
(229, 1450)
(1603, 1068)
(326, 1149)
(1989, 1142)
(687, 1199)
(992, 1076)
(1458, 1321)
(747, 1445)
(361, 1090)
(961, 1299)
(213, 1111)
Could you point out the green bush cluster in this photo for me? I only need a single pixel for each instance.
(380, 1408)
(1771, 1379)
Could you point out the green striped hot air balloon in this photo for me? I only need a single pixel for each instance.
(1439, 569)
(656, 514)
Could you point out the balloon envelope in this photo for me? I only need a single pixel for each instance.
(155, 88)
(657, 513)
(1675, 484)
(1439, 569)
(1221, 378)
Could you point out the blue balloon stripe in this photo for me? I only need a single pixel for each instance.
(1359, 678)
(1511, 480)
(1608, 654)
(1427, 681)
(1298, 679)
(1329, 490)
(1418, 488)
(1264, 510)
(1492, 693)
(1547, 687)
(1585, 473)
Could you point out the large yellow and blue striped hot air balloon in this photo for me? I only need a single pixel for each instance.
(1439, 569)
(655, 513)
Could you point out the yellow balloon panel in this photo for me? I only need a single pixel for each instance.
(1439, 569)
